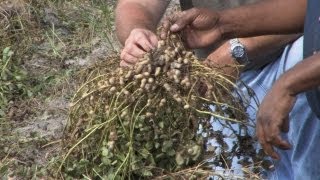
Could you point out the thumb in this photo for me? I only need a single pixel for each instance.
(165, 28)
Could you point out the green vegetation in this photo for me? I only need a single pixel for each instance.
(44, 46)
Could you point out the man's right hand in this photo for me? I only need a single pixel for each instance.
(137, 44)
(200, 27)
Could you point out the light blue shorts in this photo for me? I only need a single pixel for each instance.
(303, 160)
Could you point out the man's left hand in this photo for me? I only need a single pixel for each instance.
(273, 118)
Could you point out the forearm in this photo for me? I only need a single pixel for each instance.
(131, 14)
(303, 76)
(265, 17)
(265, 49)
(261, 50)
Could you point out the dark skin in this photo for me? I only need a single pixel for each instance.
(273, 114)
(204, 27)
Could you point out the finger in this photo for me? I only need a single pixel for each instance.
(134, 51)
(261, 135)
(181, 20)
(273, 136)
(165, 28)
(153, 40)
(144, 43)
(259, 131)
(140, 39)
(281, 143)
(285, 125)
(125, 64)
(268, 149)
(128, 58)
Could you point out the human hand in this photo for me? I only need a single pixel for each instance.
(200, 27)
(137, 44)
(273, 118)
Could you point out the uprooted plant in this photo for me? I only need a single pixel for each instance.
(151, 120)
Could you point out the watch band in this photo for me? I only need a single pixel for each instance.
(234, 43)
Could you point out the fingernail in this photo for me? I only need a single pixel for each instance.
(174, 27)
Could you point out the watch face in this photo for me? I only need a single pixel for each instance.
(238, 52)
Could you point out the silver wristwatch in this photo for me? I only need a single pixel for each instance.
(238, 51)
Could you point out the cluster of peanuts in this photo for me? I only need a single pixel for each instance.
(167, 68)
(158, 100)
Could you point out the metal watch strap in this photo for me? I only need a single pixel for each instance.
(245, 60)
(234, 41)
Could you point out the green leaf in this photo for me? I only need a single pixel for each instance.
(6, 50)
(151, 160)
(164, 136)
(2, 113)
(145, 153)
(161, 124)
(166, 146)
(106, 161)
(18, 78)
(83, 162)
(179, 159)
(10, 53)
(146, 173)
(29, 93)
(149, 145)
(4, 169)
(4, 76)
(134, 166)
(105, 152)
(5, 53)
(156, 145)
(160, 156)
(110, 176)
(171, 152)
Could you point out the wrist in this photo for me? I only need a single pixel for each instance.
(222, 58)
(238, 52)
(287, 84)
(226, 28)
